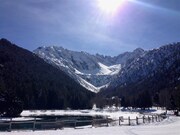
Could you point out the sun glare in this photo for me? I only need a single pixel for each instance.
(109, 6)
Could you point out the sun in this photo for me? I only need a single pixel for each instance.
(109, 6)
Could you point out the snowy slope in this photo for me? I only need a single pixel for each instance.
(97, 71)
(148, 64)
(91, 71)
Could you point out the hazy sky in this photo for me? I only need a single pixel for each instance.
(82, 26)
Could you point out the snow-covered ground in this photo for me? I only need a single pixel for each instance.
(112, 113)
(106, 113)
(170, 126)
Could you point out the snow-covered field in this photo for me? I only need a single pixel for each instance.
(169, 126)
(106, 113)
(26, 115)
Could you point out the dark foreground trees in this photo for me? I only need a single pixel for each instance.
(142, 100)
(10, 105)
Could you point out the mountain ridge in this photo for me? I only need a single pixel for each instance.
(36, 83)
(91, 71)
(98, 72)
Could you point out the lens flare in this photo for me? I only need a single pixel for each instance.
(110, 6)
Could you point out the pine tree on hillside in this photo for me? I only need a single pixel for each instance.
(156, 99)
(10, 105)
(144, 100)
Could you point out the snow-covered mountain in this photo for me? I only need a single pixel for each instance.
(148, 64)
(94, 72)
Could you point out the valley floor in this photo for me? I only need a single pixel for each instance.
(169, 126)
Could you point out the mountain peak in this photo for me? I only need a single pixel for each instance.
(3, 40)
(95, 70)
(138, 50)
(99, 70)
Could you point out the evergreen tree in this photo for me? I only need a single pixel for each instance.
(10, 104)
(156, 99)
(172, 103)
(144, 100)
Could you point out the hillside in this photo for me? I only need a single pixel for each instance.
(157, 72)
(38, 84)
